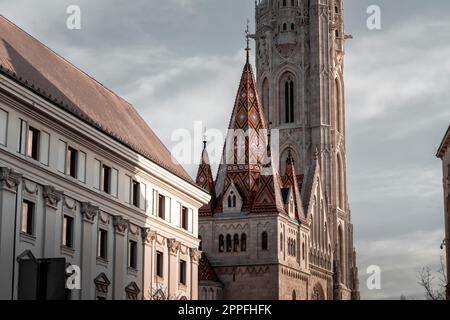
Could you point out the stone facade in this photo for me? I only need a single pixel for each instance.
(71, 190)
(444, 155)
(300, 209)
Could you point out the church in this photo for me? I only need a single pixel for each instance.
(278, 225)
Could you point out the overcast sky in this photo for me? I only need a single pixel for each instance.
(178, 61)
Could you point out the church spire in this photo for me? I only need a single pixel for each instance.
(205, 180)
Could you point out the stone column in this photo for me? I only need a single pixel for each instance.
(51, 199)
(120, 259)
(173, 246)
(9, 180)
(88, 251)
(148, 261)
(195, 258)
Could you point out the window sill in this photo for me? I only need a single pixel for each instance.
(102, 262)
(132, 271)
(67, 251)
(25, 237)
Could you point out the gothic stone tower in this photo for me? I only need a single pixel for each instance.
(300, 76)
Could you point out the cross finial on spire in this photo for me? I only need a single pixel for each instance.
(205, 142)
(247, 36)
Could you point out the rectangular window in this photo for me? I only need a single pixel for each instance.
(72, 165)
(132, 254)
(3, 126)
(159, 264)
(106, 174)
(102, 249)
(33, 143)
(184, 218)
(182, 272)
(67, 236)
(161, 206)
(28, 217)
(136, 193)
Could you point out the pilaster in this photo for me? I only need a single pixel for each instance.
(89, 249)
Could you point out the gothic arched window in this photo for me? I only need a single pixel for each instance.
(265, 96)
(287, 98)
(243, 242)
(281, 241)
(341, 253)
(236, 243)
(229, 244)
(294, 295)
(221, 243)
(340, 182)
(232, 200)
(264, 241)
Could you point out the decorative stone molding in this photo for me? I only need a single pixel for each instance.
(132, 291)
(69, 203)
(120, 225)
(89, 212)
(52, 196)
(9, 179)
(195, 254)
(30, 187)
(133, 229)
(148, 236)
(102, 283)
(174, 246)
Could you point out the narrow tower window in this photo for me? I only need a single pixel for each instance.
(288, 98)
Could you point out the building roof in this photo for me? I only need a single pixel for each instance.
(205, 180)
(206, 271)
(444, 144)
(35, 66)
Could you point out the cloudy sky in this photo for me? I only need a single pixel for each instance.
(178, 61)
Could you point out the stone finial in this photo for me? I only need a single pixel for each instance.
(148, 235)
(173, 246)
(51, 196)
(9, 178)
(89, 211)
(195, 254)
(120, 224)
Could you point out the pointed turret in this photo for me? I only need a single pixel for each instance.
(205, 180)
(245, 153)
(290, 181)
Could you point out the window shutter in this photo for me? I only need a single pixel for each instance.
(127, 187)
(23, 137)
(168, 210)
(155, 202)
(62, 147)
(143, 197)
(44, 148)
(191, 220)
(82, 166)
(3, 126)
(97, 174)
(114, 182)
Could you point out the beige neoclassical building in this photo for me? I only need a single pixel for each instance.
(444, 154)
(83, 179)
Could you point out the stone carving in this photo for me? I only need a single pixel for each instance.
(120, 224)
(173, 246)
(195, 254)
(89, 211)
(148, 236)
(102, 283)
(51, 196)
(9, 178)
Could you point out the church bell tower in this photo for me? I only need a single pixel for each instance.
(300, 77)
